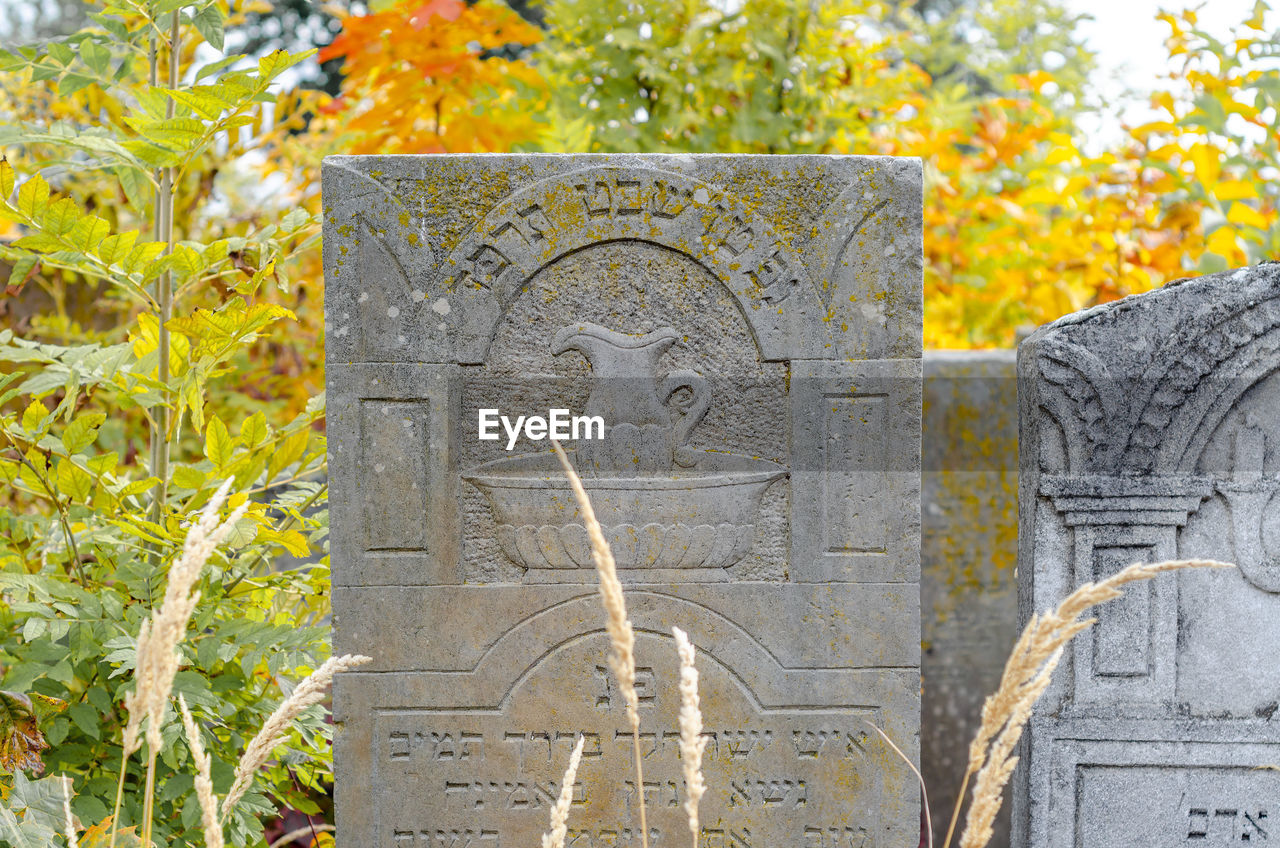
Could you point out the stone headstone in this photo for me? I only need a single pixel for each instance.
(968, 551)
(749, 330)
(1150, 430)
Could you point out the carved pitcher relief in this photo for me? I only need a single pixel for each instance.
(661, 503)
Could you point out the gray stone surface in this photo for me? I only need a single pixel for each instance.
(969, 548)
(750, 329)
(1149, 431)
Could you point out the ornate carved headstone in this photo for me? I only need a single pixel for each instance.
(1149, 432)
(747, 333)
(968, 550)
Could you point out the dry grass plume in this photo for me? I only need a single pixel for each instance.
(622, 637)
(554, 838)
(692, 742)
(309, 691)
(204, 780)
(1026, 675)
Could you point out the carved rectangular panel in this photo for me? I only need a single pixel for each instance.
(389, 428)
(393, 462)
(856, 480)
(1190, 793)
(855, 443)
(1122, 636)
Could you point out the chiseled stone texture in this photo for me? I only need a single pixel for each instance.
(1149, 431)
(968, 550)
(749, 329)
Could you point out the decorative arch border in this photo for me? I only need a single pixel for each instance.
(1187, 399)
(767, 685)
(554, 217)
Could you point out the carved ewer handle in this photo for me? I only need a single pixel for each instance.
(691, 411)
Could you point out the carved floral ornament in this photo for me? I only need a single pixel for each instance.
(1153, 430)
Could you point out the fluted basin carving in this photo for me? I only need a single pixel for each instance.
(663, 505)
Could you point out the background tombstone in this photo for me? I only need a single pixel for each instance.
(770, 372)
(1149, 431)
(968, 551)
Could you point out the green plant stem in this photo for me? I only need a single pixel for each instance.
(64, 517)
(160, 437)
(149, 800)
(115, 816)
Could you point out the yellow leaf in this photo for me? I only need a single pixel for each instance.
(1242, 214)
(7, 179)
(1223, 242)
(1235, 190)
(217, 442)
(33, 417)
(1207, 162)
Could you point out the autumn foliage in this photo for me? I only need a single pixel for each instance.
(1026, 220)
(420, 78)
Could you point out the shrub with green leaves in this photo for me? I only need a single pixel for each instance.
(140, 379)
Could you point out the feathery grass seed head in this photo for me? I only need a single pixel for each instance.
(204, 780)
(309, 691)
(560, 811)
(692, 742)
(156, 661)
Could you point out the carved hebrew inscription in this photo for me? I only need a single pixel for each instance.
(1181, 807)
(777, 778)
(666, 207)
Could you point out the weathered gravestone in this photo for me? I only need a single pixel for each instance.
(968, 550)
(1150, 430)
(749, 328)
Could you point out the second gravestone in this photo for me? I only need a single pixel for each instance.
(748, 331)
(1150, 430)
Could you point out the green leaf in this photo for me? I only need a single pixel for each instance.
(208, 22)
(217, 442)
(213, 67)
(82, 431)
(72, 83)
(61, 53)
(95, 56)
(274, 64)
(22, 267)
(210, 108)
(104, 464)
(187, 477)
(89, 232)
(39, 241)
(62, 216)
(136, 188)
(85, 717)
(115, 247)
(253, 430)
(33, 198)
(290, 451)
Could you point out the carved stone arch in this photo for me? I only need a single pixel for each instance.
(566, 213)
(522, 649)
(1185, 398)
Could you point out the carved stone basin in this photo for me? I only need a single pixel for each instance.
(700, 518)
